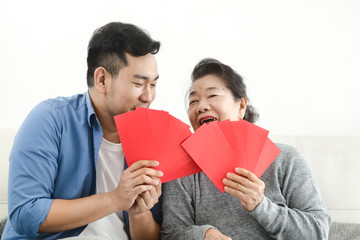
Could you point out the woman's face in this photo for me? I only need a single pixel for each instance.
(210, 100)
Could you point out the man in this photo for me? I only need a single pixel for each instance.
(67, 164)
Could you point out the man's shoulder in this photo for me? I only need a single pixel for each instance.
(75, 102)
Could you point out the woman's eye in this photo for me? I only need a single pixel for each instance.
(192, 102)
(211, 96)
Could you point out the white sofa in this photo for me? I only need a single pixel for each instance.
(6, 141)
(335, 161)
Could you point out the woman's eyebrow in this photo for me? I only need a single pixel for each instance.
(207, 89)
(212, 88)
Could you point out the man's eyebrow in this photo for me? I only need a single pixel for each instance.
(143, 77)
(207, 89)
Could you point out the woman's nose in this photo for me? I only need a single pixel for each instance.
(203, 106)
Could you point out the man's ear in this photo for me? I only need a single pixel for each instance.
(100, 76)
(243, 105)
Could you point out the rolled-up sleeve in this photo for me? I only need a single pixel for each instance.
(33, 168)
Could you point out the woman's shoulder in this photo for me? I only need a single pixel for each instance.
(285, 148)
(288, 152)
(289, 157)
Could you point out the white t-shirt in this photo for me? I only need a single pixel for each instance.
(109, 168)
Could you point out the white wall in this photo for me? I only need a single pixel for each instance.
(300, 59)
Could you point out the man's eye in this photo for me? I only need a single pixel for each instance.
(137, 84)
(153, 85)
(211, 96)
(192, 102)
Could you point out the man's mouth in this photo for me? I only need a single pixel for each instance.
(207, 120)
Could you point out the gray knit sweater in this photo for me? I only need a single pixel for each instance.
(292, 207)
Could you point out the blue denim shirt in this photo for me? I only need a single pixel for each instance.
(53, 157)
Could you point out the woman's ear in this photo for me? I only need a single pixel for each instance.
(243, 105)
(100, 76)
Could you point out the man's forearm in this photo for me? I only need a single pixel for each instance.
(143, 226)
(69, 214)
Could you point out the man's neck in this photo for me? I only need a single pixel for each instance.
(111, 136)
(107, 122)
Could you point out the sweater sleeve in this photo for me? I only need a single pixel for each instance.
(178, 213)
(303, 215)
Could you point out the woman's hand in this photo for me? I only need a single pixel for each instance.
(214, 234)
(244, 185)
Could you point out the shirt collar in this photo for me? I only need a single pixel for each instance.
(91, 115)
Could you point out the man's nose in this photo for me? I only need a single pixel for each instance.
(147, 95)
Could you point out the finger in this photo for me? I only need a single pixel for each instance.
(158, 189)
(143, 180)
(143, 163)
(238, 182)
(246, 174)
(212, 234)
(146, 171)
(141, 188)
(236, 186)
(256, 184)
(245, 186)
(153, 193)
(147, 198)
(140, 204)
(236, 193)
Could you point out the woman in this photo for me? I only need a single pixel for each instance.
(285, 203)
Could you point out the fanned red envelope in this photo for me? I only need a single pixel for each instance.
(148, 134)
(211, 150)
(220, 147)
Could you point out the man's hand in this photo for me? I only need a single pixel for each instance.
(138, 179)
(246, 187)
(214, 234)
(146, 200)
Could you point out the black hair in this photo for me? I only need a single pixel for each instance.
(109, 43)
(233, 81)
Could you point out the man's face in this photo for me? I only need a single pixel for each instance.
(134, 86)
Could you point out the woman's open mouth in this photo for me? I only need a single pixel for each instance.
(207, 120)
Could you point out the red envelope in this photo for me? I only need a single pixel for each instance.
(267, 156)
(158, 120)
(250, 141)
(176, 162)
(148, 134)
(236, 140)
(220, 147)
(131, 127)
(210, 149)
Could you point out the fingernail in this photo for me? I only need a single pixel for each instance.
(161, 173)
(156, 182)
(228, 174)
(156, 163)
